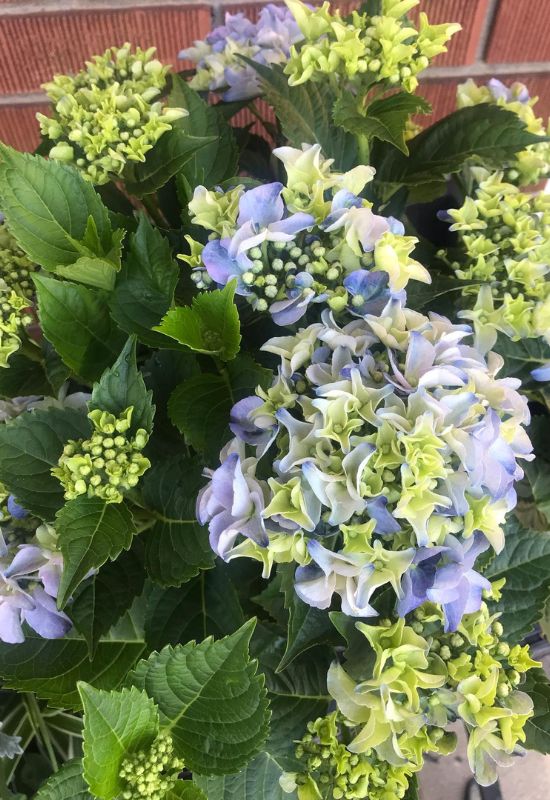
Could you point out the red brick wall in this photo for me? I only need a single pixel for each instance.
(507, 38)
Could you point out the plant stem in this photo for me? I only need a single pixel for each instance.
(40, 726)
(154, 211)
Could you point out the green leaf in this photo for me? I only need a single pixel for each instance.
(538, 471)
(66, 784)
(29, 447)
(205, 606)
(106, 596)
(52, 667)
(210, 700)
(537, 728)
(176, 547)
(145, 285)
(259, 779)
(170, 154)
(305, 115)
(489, 132)
(210, 325)
(116, 724)
(521, 357)
(441, 286)
(525, 563)
(23, 377)
(77, 323)
(185, 790)
(54, 213)
(217, 161)
(200, 406)
(90, 532)
(307, 626)
(121, 386)
(383, 119)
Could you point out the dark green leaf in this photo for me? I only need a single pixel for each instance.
(307, 626)
(537, 728)
(176, 547)
(523, 356)
(116, 724)
(259, 779)
(29, 447)
(54, 213)
(218, 160)
(90, 532)
(121, 386)
(305, 115)
(525, 563)
(205, 606)
(66, 784)
(383, 119)
(102, 601)
(23, 377)
(145, 285)
(538, 471)
(77, 323)
(170, 154)
(486, 131)
(52, 667)
(199, 407)
(210, 325)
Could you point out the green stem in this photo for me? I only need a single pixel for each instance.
(149, 202)
(40, 726)
(363, 148)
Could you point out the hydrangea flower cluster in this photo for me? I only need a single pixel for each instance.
(505, 235)
(267, 41)
(424, 679)
(313, 240)
(29, 581)
(532, 164)
(15, 294)
(108, 463)
(393, 450)
(362, 50)
(332, 772)
(109, 114)
(151, 774)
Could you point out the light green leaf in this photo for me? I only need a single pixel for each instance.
(210, 325)
(145, 285)
(170, 154)
(185, 790)
(537, 728)
(77, 323)
(200, 406)
(383, 119)
(176, 547)
(90, 532)
(121, 386)
(205, 606)
(525, 563)
(52, 667)
(305, 115)
(216, 161)
(66, 784)
(106, 596)
(52, 210)
(116, 724)
(29, 447)
(489, 132)
(210, 700)
(259, 779)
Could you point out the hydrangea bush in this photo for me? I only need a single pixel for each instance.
(274, 421)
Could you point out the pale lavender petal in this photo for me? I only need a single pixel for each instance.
(261, 205)
(45, 618)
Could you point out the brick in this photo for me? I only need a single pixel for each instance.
(18, 125)
(521, 32)
(463, 46)
(442, 96)
(35, 47)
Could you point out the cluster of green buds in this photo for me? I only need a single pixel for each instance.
(151, 774)
(108, 463)
(108, 114)
(362, 50)
(15, 294)
(424, 679)
(533, 163)
(505, 241)
(332, 772)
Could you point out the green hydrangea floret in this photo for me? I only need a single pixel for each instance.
(151, 774)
